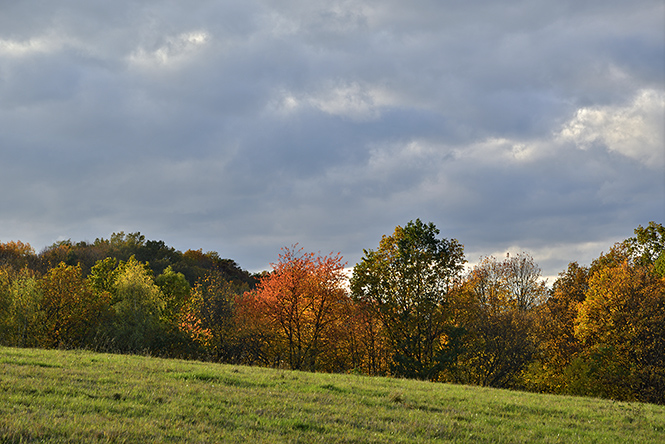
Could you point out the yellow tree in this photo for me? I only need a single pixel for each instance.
(556, 329)
(621, 325)
(17, 255)
(73, 311)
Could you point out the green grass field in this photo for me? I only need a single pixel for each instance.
(79, 396)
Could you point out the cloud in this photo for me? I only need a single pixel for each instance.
(243, 127)
(173, 50)
(635, 130)
(14, 48)
(353, 101)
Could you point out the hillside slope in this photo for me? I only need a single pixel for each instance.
(79, 396)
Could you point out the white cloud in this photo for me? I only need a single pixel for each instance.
(43, 44)
(502, 150)
(20, 48)
(636, 130)
(352, 100)
(175, 50)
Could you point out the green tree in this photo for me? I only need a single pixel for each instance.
(647, 244)
(22, 323)
(176, 291)
(659, 265)
(408, 282)
(196, 265)
(103, 275)
(175, 341)
(5, 303)
(137, 305)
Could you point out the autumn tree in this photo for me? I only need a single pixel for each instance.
(59, 252)
(17, 255)
(523, 280)
(407, 281)
(301, 303)
(208, 317)
(73, 311)
(558, 344)
(368, 344)
(621, 325)
(262, 343)
(500, 322)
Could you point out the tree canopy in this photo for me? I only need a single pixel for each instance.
(410, 309)
(407, 281)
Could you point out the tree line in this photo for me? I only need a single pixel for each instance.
(411, 308)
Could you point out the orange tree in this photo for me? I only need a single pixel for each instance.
(298, 307)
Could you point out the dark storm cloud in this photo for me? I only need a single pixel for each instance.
(243, 127)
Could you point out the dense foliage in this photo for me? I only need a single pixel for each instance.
(408, 285)
(410, 309)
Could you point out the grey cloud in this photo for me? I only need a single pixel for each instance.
(242, 127)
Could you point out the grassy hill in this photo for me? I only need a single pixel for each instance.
(79, 396)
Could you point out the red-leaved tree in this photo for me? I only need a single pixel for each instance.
(300, 307)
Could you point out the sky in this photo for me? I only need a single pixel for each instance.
(246, 126)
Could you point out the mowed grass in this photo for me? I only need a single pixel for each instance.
(79, 396)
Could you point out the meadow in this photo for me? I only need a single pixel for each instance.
(81, 396)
